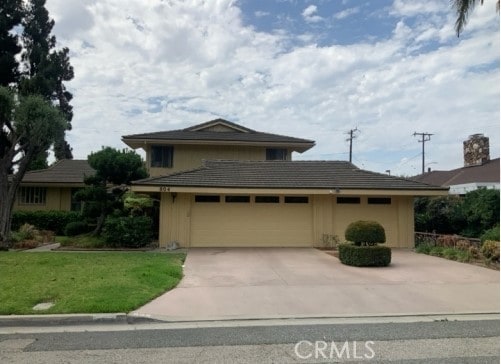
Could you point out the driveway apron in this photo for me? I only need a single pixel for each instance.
(251, 283)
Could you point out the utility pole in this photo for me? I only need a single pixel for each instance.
(424, 138)
(350, 139)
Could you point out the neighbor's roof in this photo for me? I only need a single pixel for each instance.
(485, 173)
(228, 132)
(285, 174)
(63, 171)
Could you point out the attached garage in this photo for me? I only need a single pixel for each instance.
(280, 203)
(245, 221)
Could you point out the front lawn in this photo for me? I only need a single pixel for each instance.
(85, 282)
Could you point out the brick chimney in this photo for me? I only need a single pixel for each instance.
(476, 150)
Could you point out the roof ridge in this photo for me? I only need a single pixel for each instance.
(218, 120)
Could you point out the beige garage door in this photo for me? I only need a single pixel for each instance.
(248, 224)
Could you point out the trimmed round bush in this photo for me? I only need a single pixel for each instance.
(76, 228)
(365, 233)
(364, 256)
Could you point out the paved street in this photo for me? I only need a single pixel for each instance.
(468, 341)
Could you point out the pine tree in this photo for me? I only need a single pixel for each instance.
(46, 68)
(10, 16)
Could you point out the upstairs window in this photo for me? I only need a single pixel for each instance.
(161, 156)
(32, 195)
(276, 154)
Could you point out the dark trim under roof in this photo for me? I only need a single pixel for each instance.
(285, 174)
(240, 134)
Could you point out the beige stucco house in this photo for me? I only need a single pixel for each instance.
(223, 185)
(53, 188)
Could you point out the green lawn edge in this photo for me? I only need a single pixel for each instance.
(85, 282)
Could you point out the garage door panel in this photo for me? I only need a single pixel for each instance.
(250, 224)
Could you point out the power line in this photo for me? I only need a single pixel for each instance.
(424, 138)
(350, 139)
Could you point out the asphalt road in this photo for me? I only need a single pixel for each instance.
(406, 342)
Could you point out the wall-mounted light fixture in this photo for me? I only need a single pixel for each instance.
(338, 189)
(173, 195)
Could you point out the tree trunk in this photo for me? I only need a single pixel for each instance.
(8, 190)
(100, 223)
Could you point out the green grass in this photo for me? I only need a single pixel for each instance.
(81, 241)
(85, 282)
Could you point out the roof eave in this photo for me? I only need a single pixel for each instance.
(299, 147)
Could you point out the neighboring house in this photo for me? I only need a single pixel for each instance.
(479, 170)
(252, 194)
(465, 179)
(53, 188)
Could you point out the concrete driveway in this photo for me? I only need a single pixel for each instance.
(246, 283)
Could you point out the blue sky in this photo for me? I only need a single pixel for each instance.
(312, 69)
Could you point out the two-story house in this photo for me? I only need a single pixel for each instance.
(223, 185)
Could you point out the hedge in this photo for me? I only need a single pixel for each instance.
(128, 231)
(364, 256)
(51, 220)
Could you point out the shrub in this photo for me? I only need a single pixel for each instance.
(129, 231)
(76, 228)
(364, 256)
(424, 248)
(447, 240)
(436, 251)
(54, 221)
(464, 256)
(490, 250)
(450, 253)
(463, 244)
(26, 244)
(365, 233)
(474, 252)
(491, 234)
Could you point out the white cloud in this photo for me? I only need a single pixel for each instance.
(194, 61)
(309, 14)
(346, 13)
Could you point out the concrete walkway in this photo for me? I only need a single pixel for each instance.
(251, 283)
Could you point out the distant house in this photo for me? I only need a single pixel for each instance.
(223, 185)
(53, 188)
(479, 170)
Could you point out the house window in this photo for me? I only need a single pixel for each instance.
(276, 154)
(267, 199)
(238, 198)
(207, 198)
(379, 200)
(32, 195)
(348, 200)
(296, 199)
(161, 156)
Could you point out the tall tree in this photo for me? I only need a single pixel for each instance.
(463, 10)
(28, 127)
(10, 16)
(114, 169)
(45, 67)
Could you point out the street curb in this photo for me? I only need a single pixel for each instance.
(71, 319)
